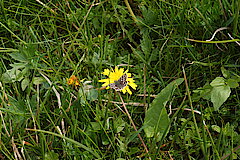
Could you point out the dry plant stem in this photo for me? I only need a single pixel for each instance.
(133, 124)
(58, 99)
(219, 29)
(151, 95)
(233, 38)
(227, 155)
(44, 5)
(144, 88)
(130, 103)
(15, 150)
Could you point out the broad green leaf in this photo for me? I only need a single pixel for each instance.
(38, 80)
(92, 94)
(225, 72)
(146, 44)
(219, 95)
(216, 128)
(218, 81)
(18, 65)
(51, 155)
(122, 145)
(157, 121)
(6, 78)
(19, 57)
(232, 83)
(24, 83)
(204, 92)
(119, 124)
(12, 75)
(95, 126)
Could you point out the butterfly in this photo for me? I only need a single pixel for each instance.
(120, 83)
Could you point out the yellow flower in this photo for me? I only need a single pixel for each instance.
(73, 80)
(114, 77)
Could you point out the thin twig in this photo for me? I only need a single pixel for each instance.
(151, 95)
(233, 38)
(144, 88)
(44, 5)
(22, 150)
(58, 99)
(15, 149)
(133, 124)
(130, 103)
(227, 155)
(17, 155)
(188, 109)
(219, 29)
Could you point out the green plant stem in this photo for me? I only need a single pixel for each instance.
(214, 146)
(236, 17)
(130, 11)
(193, 114)
(67, 139)
(13, 33)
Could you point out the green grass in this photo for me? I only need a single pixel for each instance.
(42, 43)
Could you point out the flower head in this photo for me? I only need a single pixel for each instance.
(73, 80)
(119, 80)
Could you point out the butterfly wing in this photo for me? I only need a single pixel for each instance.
(119, 84)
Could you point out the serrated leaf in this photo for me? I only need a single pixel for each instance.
(150, 16)
(219, 95)
(157, 121)
(146, 44)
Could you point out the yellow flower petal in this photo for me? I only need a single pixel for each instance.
(106, 72)
(103, 80)
(114, 75)
(128, 90)
(77, 83)
(133, 85)
(128, 74)
(124, 90)
(116, 69)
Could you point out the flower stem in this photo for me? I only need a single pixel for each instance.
(133, 124)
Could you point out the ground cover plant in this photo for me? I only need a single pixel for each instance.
(111, 79)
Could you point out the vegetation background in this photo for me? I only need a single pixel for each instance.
(186, 105)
